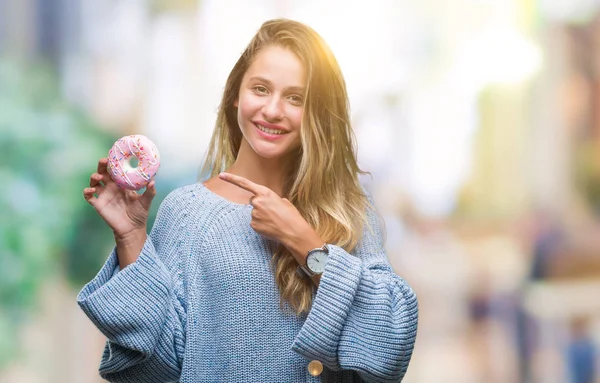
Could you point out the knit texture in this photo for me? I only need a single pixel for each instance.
(200, 304)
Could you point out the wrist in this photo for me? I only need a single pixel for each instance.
(302, 242)
(129, 246)
(131, 236)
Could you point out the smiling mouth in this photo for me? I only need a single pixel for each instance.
(269, 130)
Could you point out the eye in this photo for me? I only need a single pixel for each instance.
(295, 99)
(260, 89)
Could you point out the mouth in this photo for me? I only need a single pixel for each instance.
(269, 130)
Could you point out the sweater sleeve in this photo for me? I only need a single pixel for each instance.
(141, 310)
(364, 316)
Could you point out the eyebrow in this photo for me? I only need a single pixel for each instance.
(298, 89)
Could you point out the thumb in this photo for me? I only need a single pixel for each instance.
(148, 195)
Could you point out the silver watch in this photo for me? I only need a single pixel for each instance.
(316, 261)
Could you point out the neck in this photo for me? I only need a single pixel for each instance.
(269, 172)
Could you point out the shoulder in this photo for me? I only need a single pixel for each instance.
(374, 223)
(185, 201)
(179, 198)
(366, 191)
(370, 207)
(179, 207)
(182, 194)
(194, 200)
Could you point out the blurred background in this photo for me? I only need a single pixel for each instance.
(479, 121)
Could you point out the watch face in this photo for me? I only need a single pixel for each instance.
(316, 261)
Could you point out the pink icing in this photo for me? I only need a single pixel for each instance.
(119, 165)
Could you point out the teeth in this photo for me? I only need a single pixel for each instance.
(270, 131)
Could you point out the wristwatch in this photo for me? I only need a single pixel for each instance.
(316, 261)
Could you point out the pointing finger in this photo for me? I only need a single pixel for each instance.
(243, 183)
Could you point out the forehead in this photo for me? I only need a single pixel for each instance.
(278, 65)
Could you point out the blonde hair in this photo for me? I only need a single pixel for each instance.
(324, 185)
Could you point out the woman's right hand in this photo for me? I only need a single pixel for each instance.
(125, 211)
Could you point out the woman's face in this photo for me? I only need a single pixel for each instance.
(270, 102)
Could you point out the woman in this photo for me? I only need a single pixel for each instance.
(273, 271)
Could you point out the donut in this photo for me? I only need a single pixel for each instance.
(119, 161)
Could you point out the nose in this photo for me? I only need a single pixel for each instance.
(273, 109)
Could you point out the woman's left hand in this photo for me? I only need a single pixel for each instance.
(276, 218)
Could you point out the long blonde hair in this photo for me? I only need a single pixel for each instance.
(324, 185)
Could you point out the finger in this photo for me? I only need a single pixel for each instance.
(96, 179)
(148, 195)
(103, 166)
(243, 183)
(253, 225)
(250, 202)
(88, 194)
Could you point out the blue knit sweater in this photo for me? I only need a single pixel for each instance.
(200, 304)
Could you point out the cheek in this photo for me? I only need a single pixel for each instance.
(243, 113)
(247, 108)
(295, 116)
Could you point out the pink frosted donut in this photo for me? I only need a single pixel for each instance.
(119, 161)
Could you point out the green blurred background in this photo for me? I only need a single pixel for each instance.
(478, 119)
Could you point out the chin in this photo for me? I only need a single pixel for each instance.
(272, 152)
